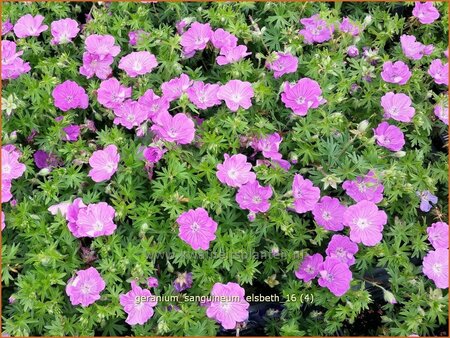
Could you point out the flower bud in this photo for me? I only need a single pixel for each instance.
(362, 126)
(400, 154)
(389, 297)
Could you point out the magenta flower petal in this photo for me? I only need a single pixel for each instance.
(196, 228)
(235, 171)
(69, 95)
(398, 107)
(138, 303)
(435, 267)
(438, 235)
(335, 275)
(85, 287)
(138, 63)
(104, 163)
(179, 128)
(389, 136)
(302, 96)
(329, 213)
(236, 93)
(254, 197)
(305, 194)
(29, 25)
(309, 267)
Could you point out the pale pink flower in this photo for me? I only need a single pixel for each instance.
(111, 94)
(366, 222)
(235, 171)
(130, 114)
(72, 213)
(335, 275)
(346, 26)
(435, 267)
(94, 64)
(438, 235)
(138, 63)
(389, 136)
(63, 31)
(196, 228)
(269, 146)
(69, 95)
(302, 96)
(254, 197)
(12, 65)
(236, 93)
(196, 37)
(309, 267)
(96, 220)
(138, 303)
(441, 111)
(173, 89)
(397, 106)
(397, 72)
(232, 54)
(6, 190)
(425, 12)
(223, 39)
(11, 167)
(413, 49)
(153, 104)
(102, 45)
(203, 95)
(305, 194)
(329, 213)
(342, 248)
(29, 25)
(228, 306)
(104, 163)
(316, 30)
(439, 72)
(85, 287)
(3, 221)
(366, 187)
(285, 63)
(179, 128)
(59, 208)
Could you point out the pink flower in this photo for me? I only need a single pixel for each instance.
(179, 128)
(413, 49)
(7, 27)
(28, 25)
(196, 228)
(153, 154)
(69, 95)
(285, 63)
(397, 72)
(309, 268)
(348, 27)
(435, 267)
(269, 145)
(438, 235)
(138, 303)
(59, 208)
(152, 282)
(439, 72)
(228, 306)
(366, 223)
(96, 220)
(316, 30)
(11, 167)
(71, 132)
(335, 275)
(104, 163)
(389, 136)
(203, 95)
(134, 36)
(6, 190)
(153, 104)
(397, 106)
(173, 89)
(196, 37)
(232, 54)
(235, 171)
(441, 111)
(130, 114)
(236, 93)
(138, 63)
(254, 197)
(365, 188)
(72, 213)
(223, 39)
(63, 31)
(3, 221)
(329, 213)
(305, 194)
(425, 12)
(102, 46)
(12, 65)
(85, 287)
(342, 248)
(302, 96)
(111, 94)
(97, 65)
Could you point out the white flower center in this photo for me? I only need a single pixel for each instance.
(300, 100)
(437, 268)
(326, 216)
(6, 169)
(256, 199)
(362, 223)
(195, 226)
(98, 226)
(232, 173)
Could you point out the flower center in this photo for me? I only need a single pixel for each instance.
(236, 97)
(172, 133)
(98, 226)
(326, 216)
(225, 306)
(137, 66)
(86, 288)
(256, 199)
(362, 223)
(6, 169)
(340, 252)
(300, 100)
(69, 98)
(195, 227)
(393, 111)
(437, 268)
(309, 269)
(109, 167)
(232, 173)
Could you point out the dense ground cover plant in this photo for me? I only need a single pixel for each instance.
(294, 150)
